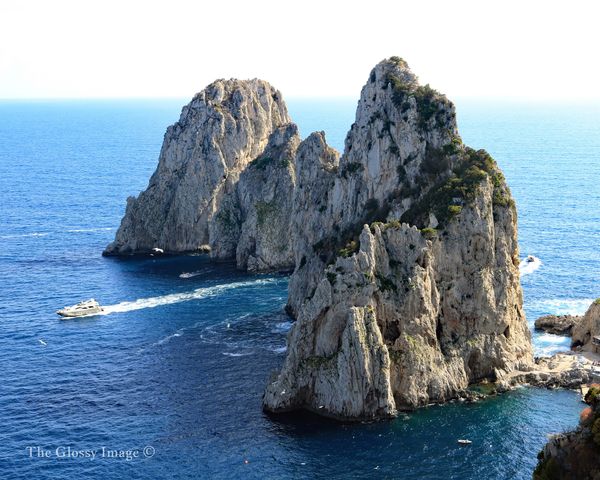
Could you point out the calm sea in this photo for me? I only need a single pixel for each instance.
(172, 376)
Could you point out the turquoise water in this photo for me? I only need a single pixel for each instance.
(180, 361)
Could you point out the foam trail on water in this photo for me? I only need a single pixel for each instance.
(23, 235)
(179, 297)
(529, 265)
(178, 333)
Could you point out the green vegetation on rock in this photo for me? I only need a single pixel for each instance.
(429, 102)
(460, 188)
(226, 218)
(454, 210)
(351, 248)
(429, 233)
(319, 361)
(385, 284)
(264, 210)
(262, 163)
(395, 355)
(351, 168)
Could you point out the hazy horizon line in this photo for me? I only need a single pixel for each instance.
(344, 98)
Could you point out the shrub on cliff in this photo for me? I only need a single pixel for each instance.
(593, 395)
(429, 233)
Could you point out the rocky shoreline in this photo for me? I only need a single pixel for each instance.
(576, 454)
(558, 324)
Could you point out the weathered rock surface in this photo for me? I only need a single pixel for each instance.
(588, 328)
(406, 287)
(202, 195)
(252, 224)
(558, 324)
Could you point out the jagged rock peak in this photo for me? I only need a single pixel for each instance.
(406, 287)
(392, 88)
(393, 68)
(220, 132)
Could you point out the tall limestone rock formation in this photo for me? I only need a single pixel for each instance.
(406, 287)
(214, 185)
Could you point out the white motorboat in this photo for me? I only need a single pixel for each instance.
(82, 309)
(464, 441)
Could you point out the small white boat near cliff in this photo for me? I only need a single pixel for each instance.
(82, 309)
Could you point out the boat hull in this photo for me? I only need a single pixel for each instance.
(67, 314)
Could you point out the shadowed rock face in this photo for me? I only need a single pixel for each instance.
(405, 285)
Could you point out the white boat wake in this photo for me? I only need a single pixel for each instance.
(529, 265)
(172, 298)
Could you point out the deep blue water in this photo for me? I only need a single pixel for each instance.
(179, 364)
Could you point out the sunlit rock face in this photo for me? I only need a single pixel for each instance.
(405, 283)
(406, 287)
(223, 168)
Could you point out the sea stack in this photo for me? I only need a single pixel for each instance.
(406, 289)
(224, 181)
(405, 284)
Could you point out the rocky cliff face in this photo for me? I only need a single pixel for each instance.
(406, 286)
(587, 328)
(204, 195)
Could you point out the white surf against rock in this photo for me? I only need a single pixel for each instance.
(172, 298)
(529, 265)
(558, 306)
